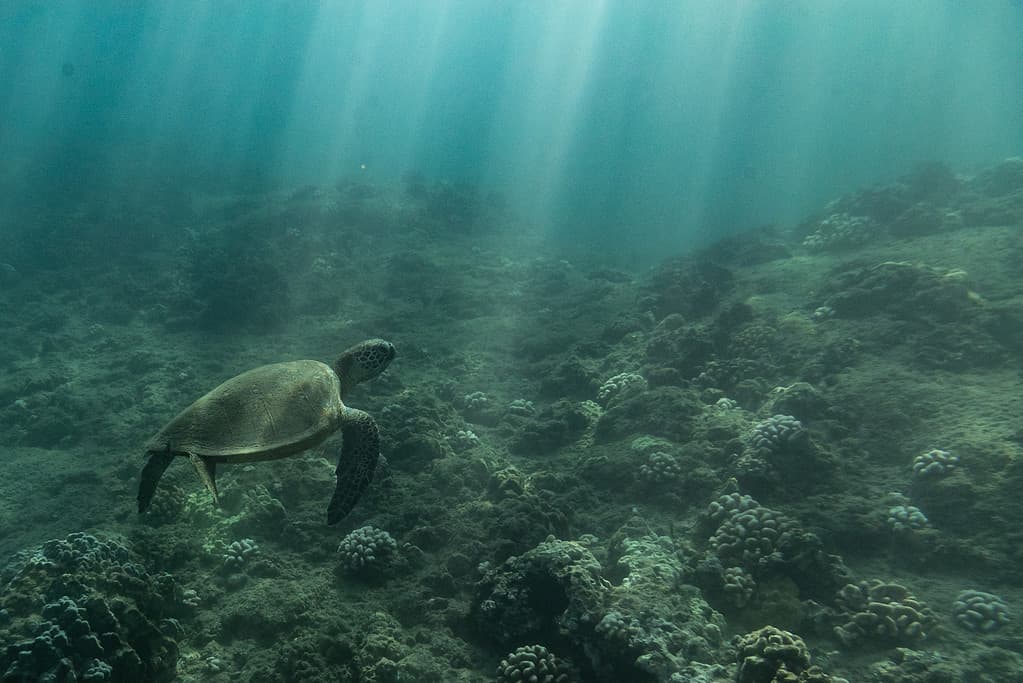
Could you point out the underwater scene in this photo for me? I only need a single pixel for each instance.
(484, 341)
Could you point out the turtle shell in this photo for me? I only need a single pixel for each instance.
(269, 412)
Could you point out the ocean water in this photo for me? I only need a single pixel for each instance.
(705, 320)
(677, 121)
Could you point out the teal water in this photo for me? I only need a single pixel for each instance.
(675, 121)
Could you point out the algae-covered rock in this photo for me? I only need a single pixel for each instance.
(553, 591)
(82, 608)
(557, 425)
(691, 287)
(656, 624)
(660, 411)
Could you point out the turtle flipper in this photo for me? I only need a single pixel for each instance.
(207, 469)
(360, 451)
(151, 473)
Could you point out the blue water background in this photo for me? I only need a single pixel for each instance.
(646, 125)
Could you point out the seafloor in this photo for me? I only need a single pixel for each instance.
(793, 455)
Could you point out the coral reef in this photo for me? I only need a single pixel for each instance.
(934, 462)
(995, 195)
(167, 506)
(647, 627)
(942, 323)
(620, 385)
(739, 585)
(751, 543)
(660, 468)
(753, 538)
(656, 625)
(912, 665)
(883, 613)
(797, 370)
(554, 426)
(775, 434)
(475, 402)
(551, 591)
(238, 553)
(464, 439)
(522, 408)
(534, 664)
(841, 231)
(690, 286)
(82, 608)
(729, 505)
(367, 550)
(413, 427)
(622, 632)
(262, 515)
(777, 453)
(661, 411)
(901, 518)
(765, 653)
(979, 611)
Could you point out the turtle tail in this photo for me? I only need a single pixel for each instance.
(360, 451)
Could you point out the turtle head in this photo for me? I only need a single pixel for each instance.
(364, 361)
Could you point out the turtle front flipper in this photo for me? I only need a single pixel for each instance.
(151, 473)
(360, 451)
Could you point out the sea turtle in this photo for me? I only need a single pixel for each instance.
(275, 411)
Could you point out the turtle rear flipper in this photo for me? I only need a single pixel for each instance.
(151, 473)
(360, 451)
(207, 470)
